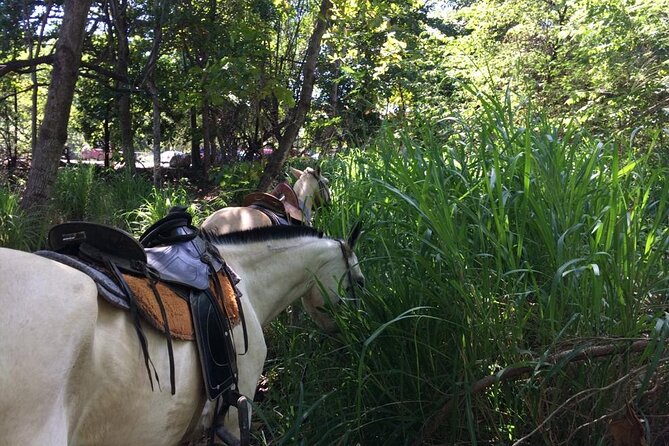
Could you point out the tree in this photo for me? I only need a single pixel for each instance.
(53, 130)
(24, 35)
(298, 113)
(119, 13)
(377, 64)
(33, 52)
(149, 80)
(601, 62)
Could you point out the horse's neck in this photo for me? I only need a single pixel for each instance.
(305, 189)
(276, 273)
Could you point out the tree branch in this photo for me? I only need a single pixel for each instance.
(14, 93)
(21, 65)
(104, 72)
(28, 65)
(572, 355)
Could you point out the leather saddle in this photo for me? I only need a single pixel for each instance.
(171, 253)
(78, 237)
(282, 201)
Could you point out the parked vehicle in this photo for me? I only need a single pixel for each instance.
(175, 158)
(180, 160)
(95, 153)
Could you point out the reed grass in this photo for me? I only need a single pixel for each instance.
(16, 231)
(84, 192)
(490, 244)
(156, 205)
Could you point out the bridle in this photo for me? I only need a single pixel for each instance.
(352, 284)
(323, 196)
(319, 199)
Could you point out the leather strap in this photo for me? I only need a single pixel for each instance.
(166, 327)
(134, 312)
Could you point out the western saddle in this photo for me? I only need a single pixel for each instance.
(174, 262)
(281, 205)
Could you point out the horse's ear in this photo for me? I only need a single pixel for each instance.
(318, 171)
(355, 234)
(297, 173)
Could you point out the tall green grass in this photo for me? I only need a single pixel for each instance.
(84, 192)
(490, 244)
(157, 204)
(16, 231)
(116, 198)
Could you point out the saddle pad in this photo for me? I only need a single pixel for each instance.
(107, 288)
(177, 308)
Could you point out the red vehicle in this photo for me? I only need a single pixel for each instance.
(96, 154)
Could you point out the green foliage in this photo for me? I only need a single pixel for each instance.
(235, 181)
(77, 193)
(84, 193)
(603, 63)
(489, 245)
(118, 199)
(156, 205)
(369, 68)
(16, 232)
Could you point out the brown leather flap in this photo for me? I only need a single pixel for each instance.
(282, 200)
(285, 193)
(267, 200)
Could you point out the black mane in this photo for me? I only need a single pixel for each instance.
(262, 234)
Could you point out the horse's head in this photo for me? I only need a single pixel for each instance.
(340, 276)
(313, 183)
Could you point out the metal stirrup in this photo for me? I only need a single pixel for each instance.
(233, 398)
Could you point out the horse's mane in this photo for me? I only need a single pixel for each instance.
(262, 234)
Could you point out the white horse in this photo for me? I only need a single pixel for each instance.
(71, 366)
(312, 189)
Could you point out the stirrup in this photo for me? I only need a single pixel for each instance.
(234, 398)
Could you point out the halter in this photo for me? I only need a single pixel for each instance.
(352, 284)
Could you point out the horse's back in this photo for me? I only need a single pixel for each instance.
(71, 368)
(48, 313)
(234, 219)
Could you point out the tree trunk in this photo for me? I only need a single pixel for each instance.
(207, 138)
(14, 156)
(299, 113)
(328, 139)
(33, 77)
(119, 12)
(53, 131)
(149, 79)
(195, 140)
(34, 48)
(107, 136)
(155, 102)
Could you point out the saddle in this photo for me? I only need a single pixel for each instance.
(171, 278)
(281, 205)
